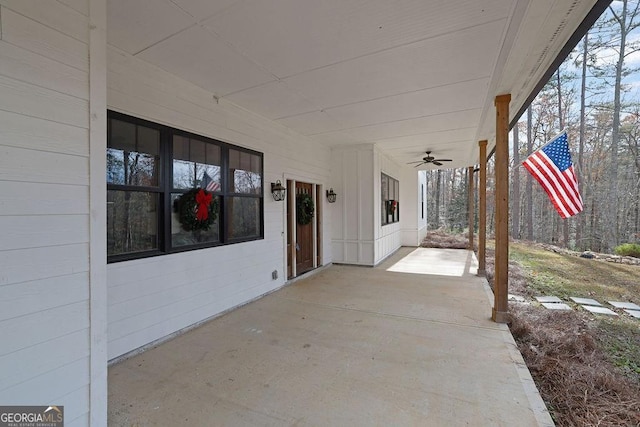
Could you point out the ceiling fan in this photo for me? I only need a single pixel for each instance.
(429, 159)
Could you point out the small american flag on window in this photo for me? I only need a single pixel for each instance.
(551, 166)
(209, 183)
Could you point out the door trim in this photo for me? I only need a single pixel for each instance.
(291, 220)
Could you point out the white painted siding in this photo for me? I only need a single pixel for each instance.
(354, 212)
(358, 236)
(151, 298)
(412, 216)
(422, 218)
(388, 237)
(44, 206)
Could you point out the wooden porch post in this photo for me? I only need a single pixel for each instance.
(471, 206)
(501, 276)
(482, 211)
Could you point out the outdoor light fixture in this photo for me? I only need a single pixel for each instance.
(278, 191)
(331, 196)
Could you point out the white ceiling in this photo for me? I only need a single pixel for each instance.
(407, 75)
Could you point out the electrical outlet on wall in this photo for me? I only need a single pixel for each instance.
(274, 274)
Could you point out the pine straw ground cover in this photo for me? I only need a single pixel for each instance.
(586, 367)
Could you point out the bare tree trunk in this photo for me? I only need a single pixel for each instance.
(529, 183)
(565, 222)
(612, 224)
(583, 105)
(636, 230)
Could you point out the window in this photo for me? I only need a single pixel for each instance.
(390, 195)
(422, 201)
(149, 166)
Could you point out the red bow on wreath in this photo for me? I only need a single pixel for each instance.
(203, 200)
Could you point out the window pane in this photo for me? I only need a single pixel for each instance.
(385, 187)
(196, 163)
(208, 177)
(115, 166)
(180, 147)
(213, 154)
(396, 190)
(132, 154)
(198, 151)
(384, 196)
(392, 189)
(244, 213)
(182, 237)
(132, 222)
(245, 172)
(183, 174)
(123, 135)
(148, 141)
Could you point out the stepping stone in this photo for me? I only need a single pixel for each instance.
(634, 313)
(585, 301)
(556, 306)
(516, 298)
(548, 299)
(600, 310)
(627, 305)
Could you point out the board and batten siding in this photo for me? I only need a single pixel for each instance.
(353, 214)
(358, 236)
(150, 299)
(45, 267)
(414, 215)
(388, 237)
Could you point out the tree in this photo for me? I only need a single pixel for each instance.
(614, 35)
(579, 168)
(529, 183)
(515, 196)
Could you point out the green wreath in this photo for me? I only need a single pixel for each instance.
(197, 209)
(304, 208)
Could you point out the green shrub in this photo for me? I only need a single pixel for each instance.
(628, 249)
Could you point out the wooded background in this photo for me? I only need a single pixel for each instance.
(595, 96)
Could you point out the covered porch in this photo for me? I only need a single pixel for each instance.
(337, 95)
(408, 342)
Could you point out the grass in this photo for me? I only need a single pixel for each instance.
(586, 366)
(563, 275)
(551, 273)
(620, 340)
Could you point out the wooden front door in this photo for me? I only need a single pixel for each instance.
(304, 234)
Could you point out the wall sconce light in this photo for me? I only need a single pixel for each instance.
(331, 196)
(278, 191)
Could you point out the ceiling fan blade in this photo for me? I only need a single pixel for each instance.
(442, 160)
(437, 163)
(420, 164)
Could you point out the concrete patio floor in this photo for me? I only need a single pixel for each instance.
(408, 343)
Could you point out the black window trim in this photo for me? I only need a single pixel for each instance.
(165, 189)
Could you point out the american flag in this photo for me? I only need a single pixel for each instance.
(551, 166)
(209, 183)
